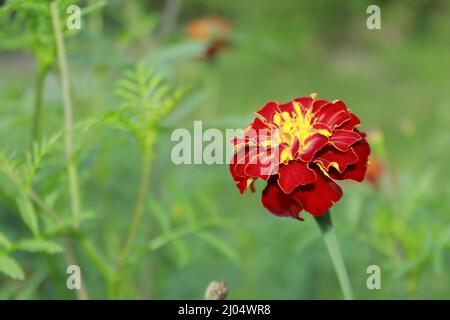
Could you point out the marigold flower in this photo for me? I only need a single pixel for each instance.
(214, 31)
(375, 170)
(208, 28)
(300, 149)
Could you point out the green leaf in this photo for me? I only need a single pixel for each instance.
(4, 241)
(176, 234)
(28, 214)
(10, 267)
(219, 245)
(160, 214)
(67, 223)
(35, 245)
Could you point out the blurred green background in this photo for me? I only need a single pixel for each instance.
(196, 227)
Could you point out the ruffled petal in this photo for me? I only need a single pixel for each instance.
(332, 114)
(267, 112)
(318, 104)
(343, 139)
(351, 123)
(287, 107)
(242, 182)
(318, 197)
(305, 102)
(258, 125)
(280, 203)
(313, 144)
(293, 174)
(357, 170)
(330, 157)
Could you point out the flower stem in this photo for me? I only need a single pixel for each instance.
(67, 102)
(329, 236)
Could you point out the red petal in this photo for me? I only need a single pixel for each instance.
(278, 202)
(318, 197)
(330, 157)
(241, 182)
(268, 111)
(262, 165)
(333, 115)
(242, 159)
(306, 102)
(351, 123)
(343, 139)
(258, 124)
(295, 147)
(293, 174)
(287, 107)
(318, 104)
(313, 144)
(357, 170)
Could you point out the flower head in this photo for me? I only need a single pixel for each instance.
(214, 31)
(375, 170)
(300, 149)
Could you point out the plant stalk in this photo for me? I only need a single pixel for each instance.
(68, 110)
(37, 112)
(82, 294)
(139, 205)
(329, 236)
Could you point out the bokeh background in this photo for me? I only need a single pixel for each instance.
(234, 56)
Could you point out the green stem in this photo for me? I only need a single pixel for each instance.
(82, 293)
(67, 102)
(68, 126)
(139, 205)
(102, 265)
(37, 112)
(329, 236)
(135, 220)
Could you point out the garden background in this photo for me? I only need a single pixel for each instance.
(195, 226)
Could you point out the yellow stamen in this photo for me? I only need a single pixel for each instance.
(298, 125)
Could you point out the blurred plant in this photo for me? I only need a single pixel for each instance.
(217, 290)
(400, 228)
(376, 168)
(214, 31)
(26, 25)
(22, 175)
(148, 100)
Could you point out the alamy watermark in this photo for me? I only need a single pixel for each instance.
(73, 281)
(73, 21)
(212, 146)
(374, 20)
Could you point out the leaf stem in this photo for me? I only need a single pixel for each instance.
(329, 236)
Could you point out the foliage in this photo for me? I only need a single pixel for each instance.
(192, 226)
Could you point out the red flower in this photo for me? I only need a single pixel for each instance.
(300, 149)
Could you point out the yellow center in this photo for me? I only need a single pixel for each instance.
(295, 125)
